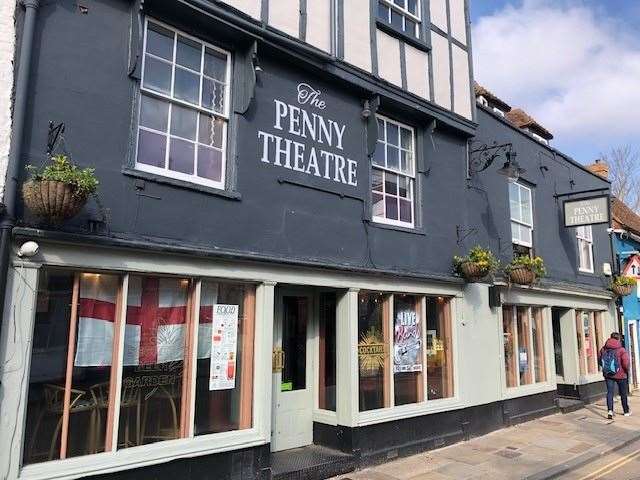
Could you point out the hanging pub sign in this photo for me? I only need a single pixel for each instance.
(587, 211)
(407, 344)
(224, 343)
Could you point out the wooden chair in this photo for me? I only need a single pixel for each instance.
(130, 398)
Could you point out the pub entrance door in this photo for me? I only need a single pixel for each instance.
(292, 409)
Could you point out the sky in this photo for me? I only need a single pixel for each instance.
(574, 65)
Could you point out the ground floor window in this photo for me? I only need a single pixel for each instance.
(404, 350)
(523, 339)
(590, 336)
(125, 360)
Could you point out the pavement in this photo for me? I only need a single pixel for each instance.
(555, 446)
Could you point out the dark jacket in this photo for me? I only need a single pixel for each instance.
(621, 355)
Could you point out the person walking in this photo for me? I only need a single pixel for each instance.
(614, 360)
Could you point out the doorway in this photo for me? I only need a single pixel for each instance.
(556, 314)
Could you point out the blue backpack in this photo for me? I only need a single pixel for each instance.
(609, 362)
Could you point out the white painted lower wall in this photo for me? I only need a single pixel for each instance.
(7, 51)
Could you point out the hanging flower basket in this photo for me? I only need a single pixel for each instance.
(53, 201)
(58, 191)
(473, 271)
(622, 290)
(522, 276)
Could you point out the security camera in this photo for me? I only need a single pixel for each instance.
(28, 249)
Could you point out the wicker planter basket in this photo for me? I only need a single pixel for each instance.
(52, 201)
(622, 290)
(522, 276)
(472, 271)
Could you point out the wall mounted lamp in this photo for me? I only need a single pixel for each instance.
(511, 168)
(481, 156)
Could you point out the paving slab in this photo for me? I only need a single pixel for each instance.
(537, 450)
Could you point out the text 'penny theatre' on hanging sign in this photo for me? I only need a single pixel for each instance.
(304, 140)
(589, 211)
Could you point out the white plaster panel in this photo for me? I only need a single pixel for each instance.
(461, 83)
(417, 71)
(357, 35)
(458, 20)
(438, 10)
(7, 47)
(285, 16)
(389, 58)
(319, 24)
(441, 74)
(250, 7)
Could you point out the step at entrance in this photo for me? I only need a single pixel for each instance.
(568, 405)
(313, 462)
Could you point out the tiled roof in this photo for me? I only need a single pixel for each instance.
(522, 119)
(623, 217)
(480, 90)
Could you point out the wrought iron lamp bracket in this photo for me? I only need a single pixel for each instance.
(482, 155)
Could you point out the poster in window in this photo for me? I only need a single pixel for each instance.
(224, 344)
(407, 345)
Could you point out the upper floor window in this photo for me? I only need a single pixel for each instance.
(521, 217)
(393, 174)
(402, 15)
(585, 248)
(184, 107)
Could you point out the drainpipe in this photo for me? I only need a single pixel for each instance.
(15, 153)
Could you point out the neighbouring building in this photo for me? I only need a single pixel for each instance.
(268, 263)
(7, 52)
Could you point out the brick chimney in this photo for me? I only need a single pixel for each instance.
(600, 168)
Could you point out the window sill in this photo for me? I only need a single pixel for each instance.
(526, 390)
(152, 177)
(388, 226)
(382, 415)
(394, 32)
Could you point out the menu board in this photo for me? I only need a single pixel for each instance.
(407, 356)
(224, 345)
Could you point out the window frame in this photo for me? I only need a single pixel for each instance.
(413, 182)
(587, 240)
(538, 358)
(187, 442)
(225, 116)
(521, 223)
(404, 13)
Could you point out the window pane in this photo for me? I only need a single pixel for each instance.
(151, 148)
(412, 6)
(406, 138)
(514, 201)
(509, 340)
(372, 350)
(211, 130)
(215, 65)
(224, 393)
(327, 354)
(393, 134)
(91, 369)
(393, 157)
(378, 205)
(404, 186)
(154, 342)
(157, 75)
(391, 207)
(407, 349)
(538, 346)
(189, 53)
(405, 211)
(209, 163)
(410, 27)
(160, 41)
(186, 86)
(439, 349)
(294, 342)
(524, 346)
(589, 342)
(213, 95)
(525, 198)
(181, 156)
(391, 183)
(383, 11)
(379, 155)
(183, 122)
(153, 113)
(396, 19)
(376, 180)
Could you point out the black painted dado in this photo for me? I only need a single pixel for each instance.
(588, 393)
(247, 464)
(380, 442)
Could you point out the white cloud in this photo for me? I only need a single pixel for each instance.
(574, 68)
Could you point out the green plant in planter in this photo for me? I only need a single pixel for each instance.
(535, 265)
(481, 257)
(82, 180)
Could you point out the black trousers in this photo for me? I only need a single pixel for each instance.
(623, 389)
